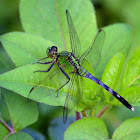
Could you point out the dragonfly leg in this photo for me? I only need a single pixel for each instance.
(40, 60)
(65, 75)
(43, 58)
(48, 68)
(43, 63)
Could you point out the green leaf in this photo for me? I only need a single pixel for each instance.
(130, 87)
(118, 38)
(112, 77)
(128, 130)
(132, 72)
(3, 132)
(19, 136)
(112, 74)
(24, 52)
(21, 112)
(49, 20)
(87, 128)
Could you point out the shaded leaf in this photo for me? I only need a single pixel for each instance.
(21, 112)
(5, 62)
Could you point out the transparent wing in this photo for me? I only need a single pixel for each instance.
(93, 53)
(74, 96)
(74, 39)
(69, 99)
(48, 85)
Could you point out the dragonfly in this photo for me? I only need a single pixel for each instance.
(73, 61)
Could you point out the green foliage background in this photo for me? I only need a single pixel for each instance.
(49, 124)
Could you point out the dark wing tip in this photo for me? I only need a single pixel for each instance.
(64, 120)
(100, 30)
(66, 11)
(65, 114)
(31, 89)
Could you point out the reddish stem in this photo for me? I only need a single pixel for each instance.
(78, 116)
(12, 125)
(11, 130)
(102, 112)
(84, 113)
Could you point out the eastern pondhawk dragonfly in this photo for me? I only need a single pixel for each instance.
(73, 61)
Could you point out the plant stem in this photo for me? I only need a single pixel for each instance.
(78, 116)
(11, 130)
(92, 113)
(84, 113)
(12, 125)
(102, 111)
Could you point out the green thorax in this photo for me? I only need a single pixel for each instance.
(63, 58)
(67, 58)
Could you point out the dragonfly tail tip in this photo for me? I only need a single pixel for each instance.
(132, 109)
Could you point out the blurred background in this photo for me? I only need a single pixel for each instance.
(107, 12)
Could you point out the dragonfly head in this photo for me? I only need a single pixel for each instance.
(51, 51)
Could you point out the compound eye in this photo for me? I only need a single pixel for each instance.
(55, 49)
